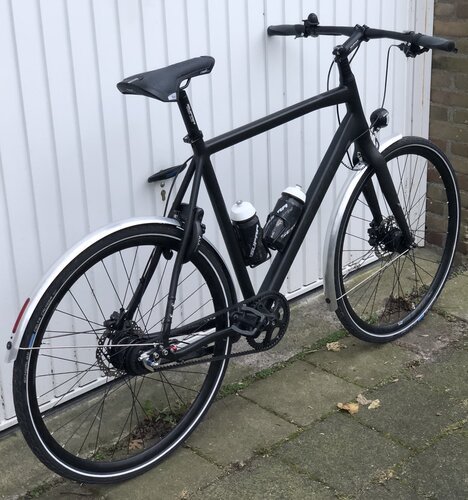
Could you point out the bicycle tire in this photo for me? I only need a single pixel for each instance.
(118, 442)
(382, 290)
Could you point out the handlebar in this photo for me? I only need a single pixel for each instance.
(357, 34)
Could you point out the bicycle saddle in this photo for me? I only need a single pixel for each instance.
(164, 83)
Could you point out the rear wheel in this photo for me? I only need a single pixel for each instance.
(87, 406)
(385, 286)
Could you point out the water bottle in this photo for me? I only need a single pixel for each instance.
(249, 232)
(283, 218)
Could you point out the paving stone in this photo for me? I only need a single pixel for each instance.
(441, 471)
(236, 428)
(265, 478)
(301, 393)
(453, 297)
(341, 452)
(363, 363)
(72, 491)
(412, 412)
(176, 478)
(433, 335)
(166, 481)
(21, 470)
(310, 321)
(449, 374)
(390, 489)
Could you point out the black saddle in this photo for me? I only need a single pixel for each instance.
(164, 83)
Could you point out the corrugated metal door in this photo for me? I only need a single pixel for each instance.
(75, 154)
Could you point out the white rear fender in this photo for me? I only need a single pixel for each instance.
(16, 337)
(333, 228)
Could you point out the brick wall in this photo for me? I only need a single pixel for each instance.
(449, 100)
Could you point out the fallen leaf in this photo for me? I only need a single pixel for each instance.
(362, 400)
(419, 375)
(135, 444)
(351, 408)
(374, 404)
(335, 346)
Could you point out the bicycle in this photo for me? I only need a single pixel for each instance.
(123, 347)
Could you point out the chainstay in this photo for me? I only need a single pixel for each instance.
(199, 361)
(209, 359)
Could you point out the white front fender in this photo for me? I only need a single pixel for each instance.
(15, 339)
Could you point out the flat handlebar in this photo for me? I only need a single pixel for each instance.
(361, 33)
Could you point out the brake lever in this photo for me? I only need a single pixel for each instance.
(411, 49)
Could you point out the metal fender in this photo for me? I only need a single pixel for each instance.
(333, 228)
(15, 339)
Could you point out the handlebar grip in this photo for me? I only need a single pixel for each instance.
(286, 30)
(435, 42)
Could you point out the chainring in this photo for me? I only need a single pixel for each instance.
(276, 311)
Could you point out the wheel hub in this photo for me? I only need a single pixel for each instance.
(115, 357)
(387, 236)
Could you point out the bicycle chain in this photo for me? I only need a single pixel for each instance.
(282, 325)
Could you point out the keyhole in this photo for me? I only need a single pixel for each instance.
(163, 194)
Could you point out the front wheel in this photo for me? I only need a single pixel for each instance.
(87, 406)
(384, 285)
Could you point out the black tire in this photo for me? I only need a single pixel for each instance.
(97, 424)
(384, 290)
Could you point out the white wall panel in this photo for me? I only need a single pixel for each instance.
(75, 153)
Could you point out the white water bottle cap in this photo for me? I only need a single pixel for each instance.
(242, 210)
(296, 192)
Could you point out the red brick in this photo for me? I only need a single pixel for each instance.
(462, 10)
(461, 81)
(436, 239)
(441, 79)
(451, 28)
(436, 192)
(450, 63)
(444, 9)
(460, 164)
(443, 145)
(433, 175)
(437, 208)
(464, 199)
(449, 131)
(460, 149)
(439, 113)
(460, 116)
(450, 98)
(462, 45)
(462, 181)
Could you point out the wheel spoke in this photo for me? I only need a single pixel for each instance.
(382, 300)
(87, 382)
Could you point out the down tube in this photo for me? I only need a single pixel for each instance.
(344, 136)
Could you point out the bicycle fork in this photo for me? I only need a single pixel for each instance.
(387, 186)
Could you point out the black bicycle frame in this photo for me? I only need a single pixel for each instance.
(352, 129)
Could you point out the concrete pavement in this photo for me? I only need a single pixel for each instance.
(279, 433)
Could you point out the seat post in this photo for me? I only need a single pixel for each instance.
(194, 134)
